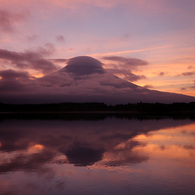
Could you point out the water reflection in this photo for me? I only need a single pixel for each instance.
(56, 152)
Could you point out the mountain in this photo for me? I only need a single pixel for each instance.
(85, 80)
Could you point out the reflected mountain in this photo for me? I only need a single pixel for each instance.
(84, 156)
(31, 145)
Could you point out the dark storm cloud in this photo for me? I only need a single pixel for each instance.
(127, 62)
(29, 59)
(8, 20)
(84, 65)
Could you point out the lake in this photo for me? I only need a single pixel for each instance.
(93, 156)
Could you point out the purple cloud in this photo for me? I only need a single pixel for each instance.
(148, 86)
(123, 66)
(127, 74)
(8, 20)
(12, 74)
(60, 38)
(192, 73)
(84, 65)
(82, 80)
(32, 37)
(59, 60)
(29, 59)
(126, 62)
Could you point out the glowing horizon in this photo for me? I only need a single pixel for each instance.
(160, 33)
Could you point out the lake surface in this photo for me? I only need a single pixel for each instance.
(108, 156)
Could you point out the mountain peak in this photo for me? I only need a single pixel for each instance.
(83, 80)
(83, 65)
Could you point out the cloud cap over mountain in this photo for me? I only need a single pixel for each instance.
(84, 65)
(83, 80)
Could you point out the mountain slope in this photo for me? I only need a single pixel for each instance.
(84, 80)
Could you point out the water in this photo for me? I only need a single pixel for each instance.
(108, 156)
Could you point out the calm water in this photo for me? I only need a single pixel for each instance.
(110, 156)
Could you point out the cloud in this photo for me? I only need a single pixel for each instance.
(60, 38)
(84, 65)
(192, 73)
(9, 19)
(125, 155)
(188, 87)
(59, 60)
(161, 74)
(123, 66)
(127, 74)
(60, 139)
(193, 87)
(12, 74)
(32, 37)
(30, 59)
(126, 62)
(82, 80)
(116, 85)
(15, 81)
(148, 86)
(27, 162)
(46, 50)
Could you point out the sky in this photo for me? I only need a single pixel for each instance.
(150, 43)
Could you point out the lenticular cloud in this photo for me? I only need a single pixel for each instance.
(83, 80)
(84, 65)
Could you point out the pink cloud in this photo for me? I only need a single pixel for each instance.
(60, 38)
(9, 19)
(30, 59)
(76, 83)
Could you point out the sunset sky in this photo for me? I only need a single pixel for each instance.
(150, 43)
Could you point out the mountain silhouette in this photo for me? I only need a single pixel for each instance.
(85, 80)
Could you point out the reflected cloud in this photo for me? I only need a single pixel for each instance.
(124, 154)
(23, 162)
(30, 145)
